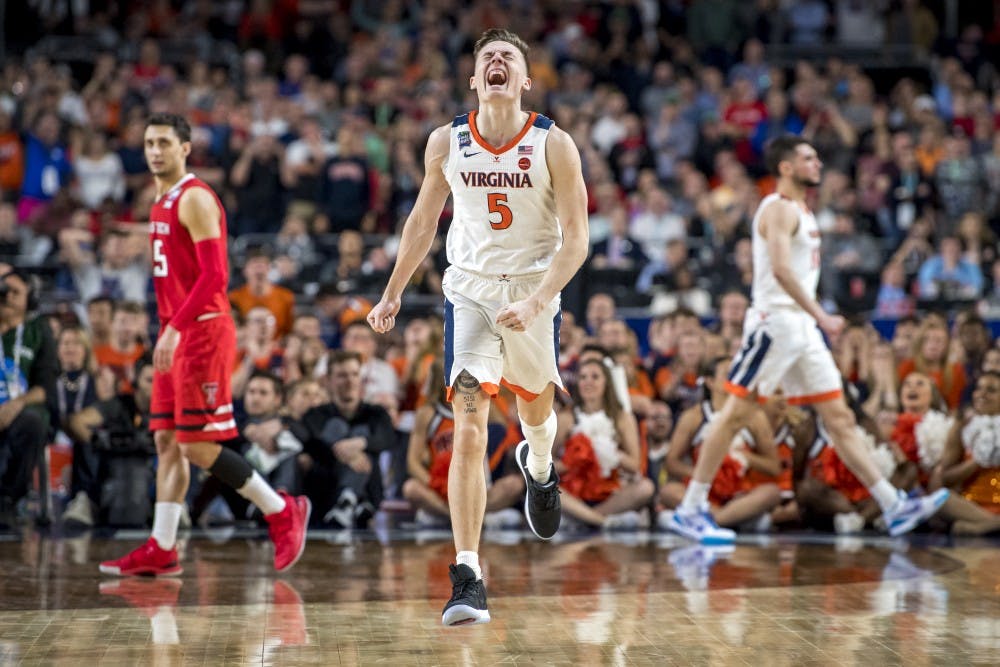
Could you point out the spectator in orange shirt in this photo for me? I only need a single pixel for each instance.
(260, 291)
(125, 344)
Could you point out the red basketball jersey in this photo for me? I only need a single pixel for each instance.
(175, 263)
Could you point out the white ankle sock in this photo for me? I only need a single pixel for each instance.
(885, 494)
(540, 439)
(695, 496)
(470, 558)
(166, 517)
(260, 493)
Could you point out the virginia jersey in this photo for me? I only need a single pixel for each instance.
(767, 292)
(504, 219)
(175, 261)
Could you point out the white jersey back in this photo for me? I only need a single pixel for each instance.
(504, 219)
(767, 293)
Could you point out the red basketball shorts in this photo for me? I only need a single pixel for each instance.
(195, 398)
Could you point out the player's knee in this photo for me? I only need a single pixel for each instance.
(469, 438)
(166, 444)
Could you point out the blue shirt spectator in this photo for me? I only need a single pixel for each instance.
(46, 165)
(948, 276)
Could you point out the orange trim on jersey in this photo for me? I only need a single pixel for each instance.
(519, 390)
(736, 389)
(507, 146)
(488, 387)
(815, 398)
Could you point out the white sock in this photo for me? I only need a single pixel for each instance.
(166, 517)
(470, 558)
(164, 626)
(260, 493)
(885, 494)
(695, 496)
(540, 439)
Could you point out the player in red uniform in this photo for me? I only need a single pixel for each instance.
(192, 408)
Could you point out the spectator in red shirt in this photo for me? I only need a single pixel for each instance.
(742, 117)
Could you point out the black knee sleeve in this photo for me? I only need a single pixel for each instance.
(231, 469)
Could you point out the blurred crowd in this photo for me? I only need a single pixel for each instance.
(310, 118)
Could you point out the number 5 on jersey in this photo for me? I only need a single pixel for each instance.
(159, 259)
(498, 204)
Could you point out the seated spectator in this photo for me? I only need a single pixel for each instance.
(270, 445)
(656, 223)
(600, 308)
(601, 469)
(733, 306)
(930, 357)
(302, 395)
(734, 499)
(119, 269)
(893, 300)
(846, 250)
(618, 250)
(682, 291)
(114, 438)
(100, 311)
(125, 344)
(75, 389)
(379, 383)
(303, 357)
(656, 429)
(258, 290)
(99, 172)
(428, 459)
(344, 439)
(948, 275)
(678, 383)
(29, 367)
(336, 308)
(660, 271)
(258, 349)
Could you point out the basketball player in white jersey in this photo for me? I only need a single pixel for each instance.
(783, 346)
(518, 235)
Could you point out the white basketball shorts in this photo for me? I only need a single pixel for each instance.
(784, 348)
(523, 361)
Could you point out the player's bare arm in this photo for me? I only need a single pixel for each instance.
(778, 223)
(418, 231)
(200, 215)
(570, 194)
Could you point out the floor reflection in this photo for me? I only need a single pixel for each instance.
(628, 599)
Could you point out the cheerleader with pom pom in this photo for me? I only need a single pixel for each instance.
(601, 468)
(970, 462)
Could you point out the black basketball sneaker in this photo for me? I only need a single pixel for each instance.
(467, 605)
(541, 502)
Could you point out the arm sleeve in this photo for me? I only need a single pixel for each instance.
(211, 280)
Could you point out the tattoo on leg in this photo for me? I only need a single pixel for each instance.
(468, 387)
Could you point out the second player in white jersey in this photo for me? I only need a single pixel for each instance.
(767, 292)
(505, 219)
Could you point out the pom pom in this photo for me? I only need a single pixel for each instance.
(981, 437)
(931, 434)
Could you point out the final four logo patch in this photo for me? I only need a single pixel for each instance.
(464, 139)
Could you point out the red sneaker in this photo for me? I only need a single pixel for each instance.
(288, 530)
(149, 560)
(149, 595)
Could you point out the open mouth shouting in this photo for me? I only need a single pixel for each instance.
(496, 77)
